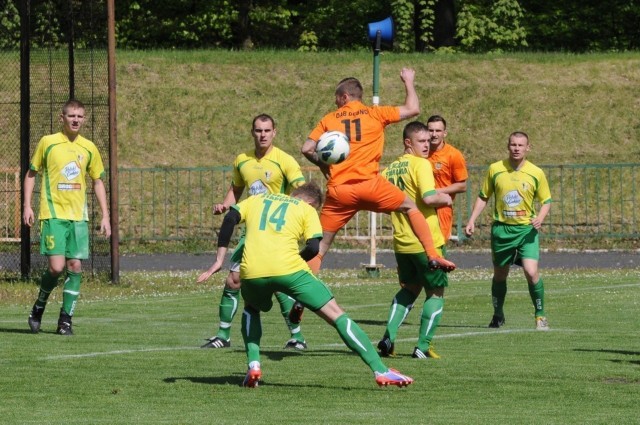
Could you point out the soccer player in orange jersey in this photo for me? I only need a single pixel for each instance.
(356, 184)
(449, 169)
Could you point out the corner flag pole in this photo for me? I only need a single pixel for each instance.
(373, 216)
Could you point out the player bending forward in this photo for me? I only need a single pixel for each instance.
(274, 225)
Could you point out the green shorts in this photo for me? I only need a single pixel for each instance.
(414, 269)
(512, 243)
(64, 237)
(236, 256)
(302, 286)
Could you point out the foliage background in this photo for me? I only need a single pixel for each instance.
(422, 25)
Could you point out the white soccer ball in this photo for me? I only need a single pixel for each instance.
(333, 147)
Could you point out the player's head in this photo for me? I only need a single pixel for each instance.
(72, 103)
(263, 130)
(348, 89)
(437, 127)
(72, 117)
(415, 138)
(518, 146)
(310, 193)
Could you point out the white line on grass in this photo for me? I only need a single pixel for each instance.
(160, 349)
(117, 352)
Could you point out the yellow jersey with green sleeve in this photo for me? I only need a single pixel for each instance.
(275, 223)
(414, 176)
(515, 191)
(64, 166)
(276, 172)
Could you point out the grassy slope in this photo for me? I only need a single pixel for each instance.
(179, 108)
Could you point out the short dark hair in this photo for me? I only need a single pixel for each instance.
(72, 103)
(411, 128)
(311, 191)
(351, 86)
(263, 117)
(518, 134)
(437, 118)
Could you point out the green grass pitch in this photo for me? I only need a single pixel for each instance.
(135, 357)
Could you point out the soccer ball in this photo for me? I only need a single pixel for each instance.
(333, 147)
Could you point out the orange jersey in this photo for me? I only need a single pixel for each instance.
(449, 167)
(364, 126)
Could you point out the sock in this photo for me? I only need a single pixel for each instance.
(498, 294)
(286, 302)
(315, 263)
(47, 284)
(431, 315)
(421, 229)
(537, 297)
(227, 311)
(355, 338)
(251, 333)
(400, 307)
(71, 291)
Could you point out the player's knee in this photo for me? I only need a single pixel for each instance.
(407, 205)
(233, 281)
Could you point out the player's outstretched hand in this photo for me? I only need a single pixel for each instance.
(207, 274)
(440, 263)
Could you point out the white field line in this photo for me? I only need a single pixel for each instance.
(349, 307)
(332, 345)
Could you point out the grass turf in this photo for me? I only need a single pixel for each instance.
(135, 356)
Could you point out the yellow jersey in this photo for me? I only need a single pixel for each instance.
(276, 172)
(515, 191)
(64, 166)
(414, 176)
(275, 223)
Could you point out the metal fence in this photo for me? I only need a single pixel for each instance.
(589, 201)
(50, 51)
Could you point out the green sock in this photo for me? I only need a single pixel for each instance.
(286, 302)
(47, 284)
(537, 297)
(498, 294)
(71, 291)
(359, 342)
(251, 333)
(431, 315)
(227, 311)
(400, 307)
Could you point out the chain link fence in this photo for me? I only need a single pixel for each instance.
(50, 51)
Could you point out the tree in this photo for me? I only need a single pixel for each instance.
(486, 26)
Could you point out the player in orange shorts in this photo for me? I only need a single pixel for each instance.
(356, 184)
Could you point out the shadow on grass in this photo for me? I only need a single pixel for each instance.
(281, 355)
(238, 378)
(603, 350)
(464, 326)
(623, 352)
(209, 380)
(410, 323)
(19, 331)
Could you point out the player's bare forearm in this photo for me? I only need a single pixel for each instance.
(27, 212)
(215, 267)
(231, 198)
(542, 214)
(411, 107)
(438, 200)
(309, 152)
(477, 209)
(101, 195)
(452, 189)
